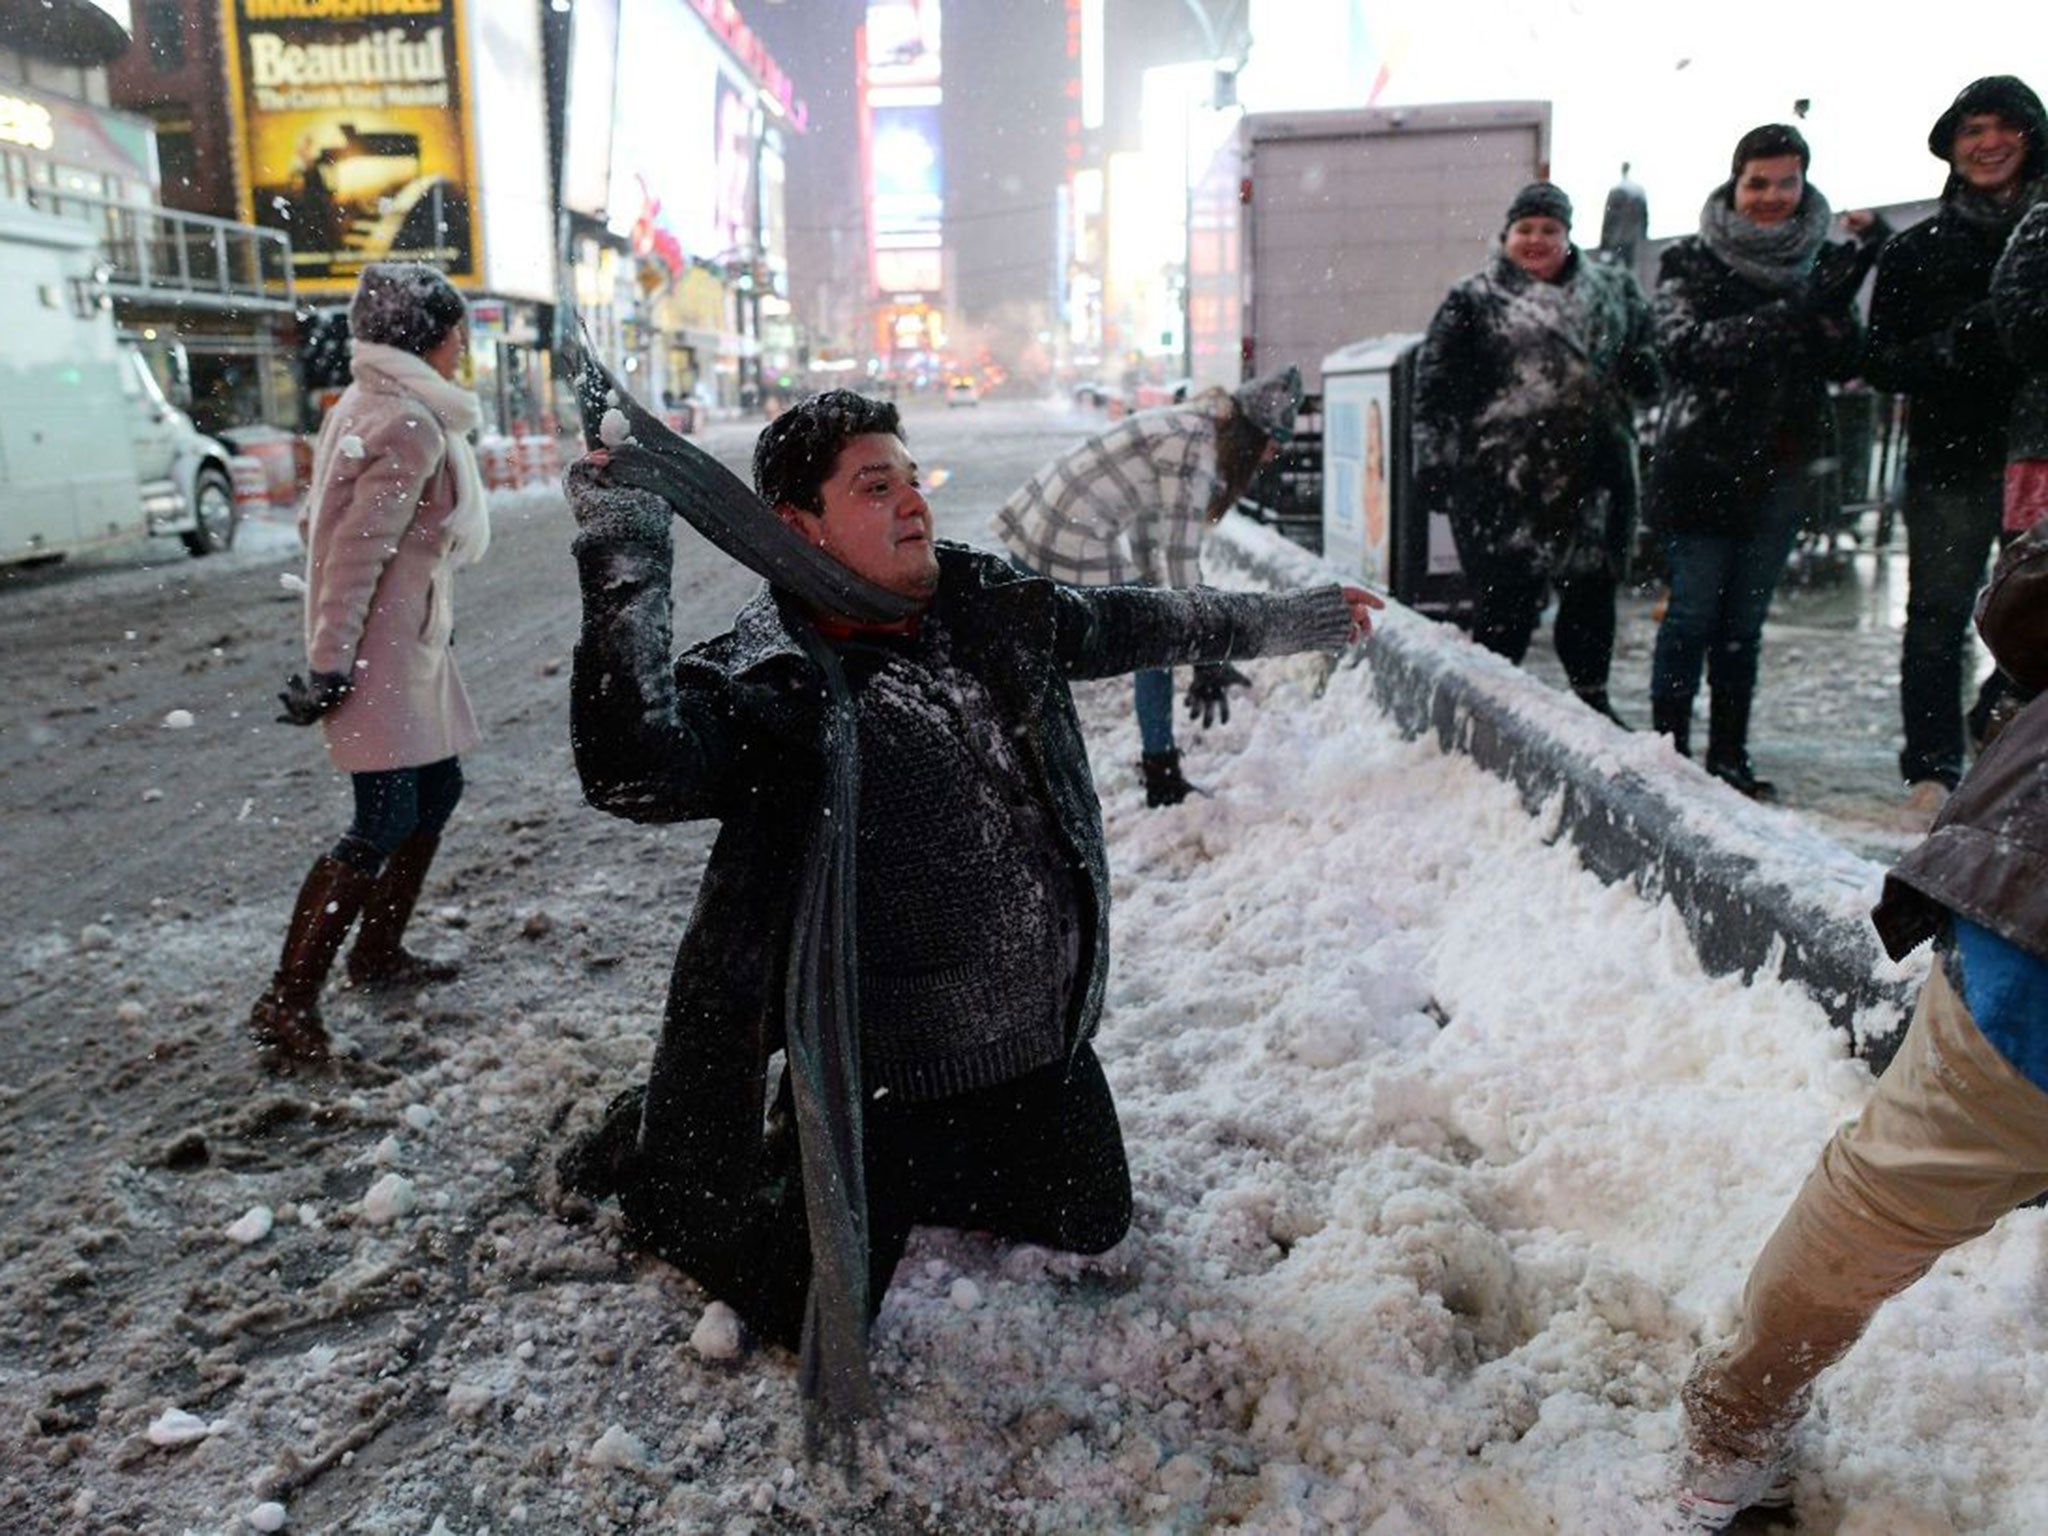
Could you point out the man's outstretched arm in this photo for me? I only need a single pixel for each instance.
(1108, 631)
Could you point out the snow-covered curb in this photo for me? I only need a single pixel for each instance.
(1760, 891)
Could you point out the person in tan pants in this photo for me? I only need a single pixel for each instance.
(1956, 1133)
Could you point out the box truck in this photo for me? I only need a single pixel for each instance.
(92, 452)
(1313, 230)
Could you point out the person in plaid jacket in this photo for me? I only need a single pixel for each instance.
(1129, 507)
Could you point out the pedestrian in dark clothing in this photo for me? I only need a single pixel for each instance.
(1955, 1134)
(2019, 297)
(908, 896)
(396, 505)
(1753, 318)
(1933, 337)
(1525, 391)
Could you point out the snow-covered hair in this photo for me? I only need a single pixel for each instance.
(404, 304)
(794, 455)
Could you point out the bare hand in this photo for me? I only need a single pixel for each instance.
(1858, 220)
(1362, 605)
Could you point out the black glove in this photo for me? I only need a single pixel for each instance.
(1209, 693)
(608, 510)
(1837, 273)
(306, 699)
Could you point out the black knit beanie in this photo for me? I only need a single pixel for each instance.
(1540, 200)
(404, 304)
(2012, 99)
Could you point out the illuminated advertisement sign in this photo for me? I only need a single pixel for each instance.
(351, 126)
(681, 180)
(909, 197)
(900, 141)
(592, 99)
(903, 43)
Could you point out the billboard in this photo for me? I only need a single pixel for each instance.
(685, 125)
(900, 98)
(591, 98)
(903, 43)
(351, 130)
(909, 196)
(509, 121)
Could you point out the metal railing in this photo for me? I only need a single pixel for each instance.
(181, 258)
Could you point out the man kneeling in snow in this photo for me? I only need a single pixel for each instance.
(908, 896)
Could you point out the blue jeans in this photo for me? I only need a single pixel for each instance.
(394, 803)
(1721, 590)
(1153, 689)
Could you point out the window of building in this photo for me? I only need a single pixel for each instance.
(57, 79)
(163, 25)
(177, 162)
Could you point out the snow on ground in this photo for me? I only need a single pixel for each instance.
(1446, 1156)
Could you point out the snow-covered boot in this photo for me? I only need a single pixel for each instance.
(1728, 745)
(1673, 718)
(379, 959)
(1596, 700)
(594, 1165)
(1163, 782)
(285, 1023)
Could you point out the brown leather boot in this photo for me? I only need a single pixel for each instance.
(285, 1022)
(378, 958)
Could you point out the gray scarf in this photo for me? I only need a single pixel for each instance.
(1776, 257)
(1973, 207)
(821, 1029)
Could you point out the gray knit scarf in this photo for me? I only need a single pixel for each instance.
(1973, 207)
(1776, 257)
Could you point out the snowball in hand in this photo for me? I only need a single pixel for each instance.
(614, 429)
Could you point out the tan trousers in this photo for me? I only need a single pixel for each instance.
(1953, 1138)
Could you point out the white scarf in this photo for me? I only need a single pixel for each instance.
(460, 413)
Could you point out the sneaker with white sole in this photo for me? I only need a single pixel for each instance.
(1712, 1493)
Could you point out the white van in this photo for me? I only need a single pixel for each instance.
(91, 451)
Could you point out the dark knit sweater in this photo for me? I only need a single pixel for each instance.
(966, 914)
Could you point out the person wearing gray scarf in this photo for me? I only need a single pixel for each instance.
(908, 899)
(1753, 318)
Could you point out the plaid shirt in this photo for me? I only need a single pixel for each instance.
(1128, 505)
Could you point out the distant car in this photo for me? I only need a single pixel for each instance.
(962, 392)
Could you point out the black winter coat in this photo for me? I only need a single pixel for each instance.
(2019, 294)
(1524, 411)
(734, 730)
(1933, 337)
(1987, 854)
(1746, 372)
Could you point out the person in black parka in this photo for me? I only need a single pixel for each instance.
(1753, 318)
(1525, 389)
(1934, 338)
